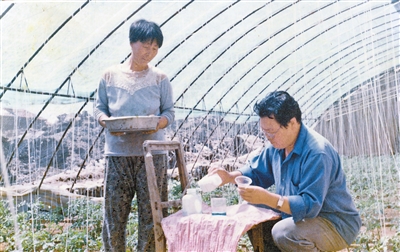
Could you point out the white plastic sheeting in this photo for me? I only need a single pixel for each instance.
(220, 55)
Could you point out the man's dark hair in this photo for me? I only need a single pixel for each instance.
(279, 105)
(143, 31)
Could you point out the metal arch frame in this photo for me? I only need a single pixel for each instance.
(249, 71)
(227, 131)
(303, 45)
(59, 88)
(216, 58)
(6, 10)
(357, 89)
(102, 130)
(321, 97)
(48, 93)
(75, 69)
(281, 45)
(326, 59)
(21, 71)
(96, 91)
(248, 53)
(228, 7)
(308, 41)
(75, 97)
(60, 141)
(315, 102)
(49, 100)
(342, 11)
(253, 84)
(228, 47)
(194, 32)
(285, 42)
(43, 45)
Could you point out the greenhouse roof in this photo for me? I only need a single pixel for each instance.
(221, 56)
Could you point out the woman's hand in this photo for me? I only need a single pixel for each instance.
(151, 131)
(162, 123)
(101, 120)
(117, 133)
(103, 124)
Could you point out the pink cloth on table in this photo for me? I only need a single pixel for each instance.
(207, 233)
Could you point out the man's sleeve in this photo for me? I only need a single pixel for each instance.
(259, 169)
(313, 187)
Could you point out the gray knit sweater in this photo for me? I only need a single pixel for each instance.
(122, 92)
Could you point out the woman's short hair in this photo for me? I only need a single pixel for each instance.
(143, 31)
(280, 106)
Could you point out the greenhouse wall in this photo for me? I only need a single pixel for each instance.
(366, 121)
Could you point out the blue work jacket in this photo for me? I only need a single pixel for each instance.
(312, 178)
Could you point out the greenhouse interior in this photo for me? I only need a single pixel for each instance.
(340, 60)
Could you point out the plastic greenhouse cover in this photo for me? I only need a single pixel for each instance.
(220, 56)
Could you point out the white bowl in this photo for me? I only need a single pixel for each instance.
(131, 123)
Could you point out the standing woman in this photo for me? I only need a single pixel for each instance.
(134, 88)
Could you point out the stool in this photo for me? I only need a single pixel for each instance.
(156, 204)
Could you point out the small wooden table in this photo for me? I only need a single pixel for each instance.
(206, 232)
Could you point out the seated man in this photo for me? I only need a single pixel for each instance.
(318, 212)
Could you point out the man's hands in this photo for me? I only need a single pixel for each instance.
(259, 195)
(253, 194)
(227, 177)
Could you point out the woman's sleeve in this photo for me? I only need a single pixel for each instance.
(101, 101)
(167, 103)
